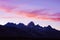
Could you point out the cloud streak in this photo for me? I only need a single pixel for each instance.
(39, 14)
(44, 15)
(10, 6)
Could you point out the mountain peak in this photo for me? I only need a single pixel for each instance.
(31, 24)
(49, 26)
(10, 24)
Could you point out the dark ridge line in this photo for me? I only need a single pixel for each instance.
(29, 31)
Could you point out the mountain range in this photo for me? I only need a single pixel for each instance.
(28, 31)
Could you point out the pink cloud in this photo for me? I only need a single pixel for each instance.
(40, 11)
(40, 14)
(7, 8)
(56, 14)
(7, 5)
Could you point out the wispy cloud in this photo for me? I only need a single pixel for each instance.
(44, 15)
(10, 6)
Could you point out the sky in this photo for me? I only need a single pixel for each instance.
(42, 12)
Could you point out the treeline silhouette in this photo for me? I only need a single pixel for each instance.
(28, 31)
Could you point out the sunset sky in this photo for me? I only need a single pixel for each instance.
(42, 12)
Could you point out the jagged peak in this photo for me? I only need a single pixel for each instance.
(49, 26)
(31, 24)
(38, 25)
(20, 23)
(10, 24)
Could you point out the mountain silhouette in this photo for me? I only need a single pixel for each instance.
(29, 31)
(31, 24)
(20, 25)
(10, 24)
